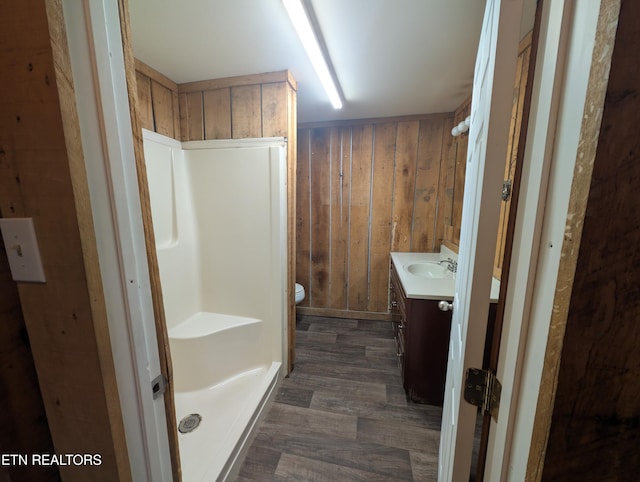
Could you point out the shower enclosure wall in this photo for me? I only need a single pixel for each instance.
(219, 216)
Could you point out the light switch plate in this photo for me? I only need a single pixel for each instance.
(22, 249)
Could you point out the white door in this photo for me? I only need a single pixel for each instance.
(494, 78)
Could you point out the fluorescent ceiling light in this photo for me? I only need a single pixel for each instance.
(300, 21)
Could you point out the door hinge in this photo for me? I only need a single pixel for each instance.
(158, 386)
(482, 389)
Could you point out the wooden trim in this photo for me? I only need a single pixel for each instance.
(502, 272)
(448, 244)
(86, 232)
(152, 260)
(466, 104)
(241, 80)
(525, 43)
(292, 153)
(374, 120)
(351, 314)
(155, 75)
(586, 156)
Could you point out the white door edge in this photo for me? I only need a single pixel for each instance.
(95, 48)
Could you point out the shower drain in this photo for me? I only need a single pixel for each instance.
(189, 423)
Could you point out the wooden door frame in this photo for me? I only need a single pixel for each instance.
(558, 155)
(112, 140)
(149, 238)
(510, 229)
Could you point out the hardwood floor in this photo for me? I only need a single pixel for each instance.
(342, 414)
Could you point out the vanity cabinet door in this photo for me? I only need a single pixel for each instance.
(427, 349)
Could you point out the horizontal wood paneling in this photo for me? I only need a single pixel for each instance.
(364, 190)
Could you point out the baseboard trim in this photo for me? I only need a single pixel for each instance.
(332, 313)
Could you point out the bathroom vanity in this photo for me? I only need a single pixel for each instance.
(419, 281)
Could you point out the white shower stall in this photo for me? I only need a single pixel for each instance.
(219, 217)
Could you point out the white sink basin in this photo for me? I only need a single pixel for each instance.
(428, 269)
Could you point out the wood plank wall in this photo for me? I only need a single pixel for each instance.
(365, 189)
(455, 181)
(158, 101)
(42, 176)
(249, 106)
(23, 422)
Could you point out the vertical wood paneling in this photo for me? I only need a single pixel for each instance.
(425, 203)
(246, 111)
(274, 118)
(217, 114)
(462, 142)
(144, 101)
(303, 213)
(65, 317)
(158, 102)
(340, 200)
(23, 423)
(361, 153)
(162, 109)
(382, 185)
(447, 176)
(404, 184)
(377, 172)
(191, 116)
(175, 102)
(320, 184)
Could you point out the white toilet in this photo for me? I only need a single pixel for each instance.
(299, 293)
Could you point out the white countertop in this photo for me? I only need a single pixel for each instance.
(424, 288)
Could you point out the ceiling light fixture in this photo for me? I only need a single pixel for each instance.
(309, 38)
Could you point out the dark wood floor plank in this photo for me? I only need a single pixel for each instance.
(259, 464)
(350, 388)
(312, 337)
(291, 395)
(379, 459)
(288, 417)
(425, 466)
(366, 340)
(342, 414)
(350, 372)
(405, 436)
(424, 415)
(295, 468)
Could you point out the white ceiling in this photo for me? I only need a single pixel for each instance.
(391, 57)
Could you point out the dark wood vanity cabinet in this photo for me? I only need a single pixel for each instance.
(422, 332)
(422, 336)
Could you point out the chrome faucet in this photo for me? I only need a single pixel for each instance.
(451, 264)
